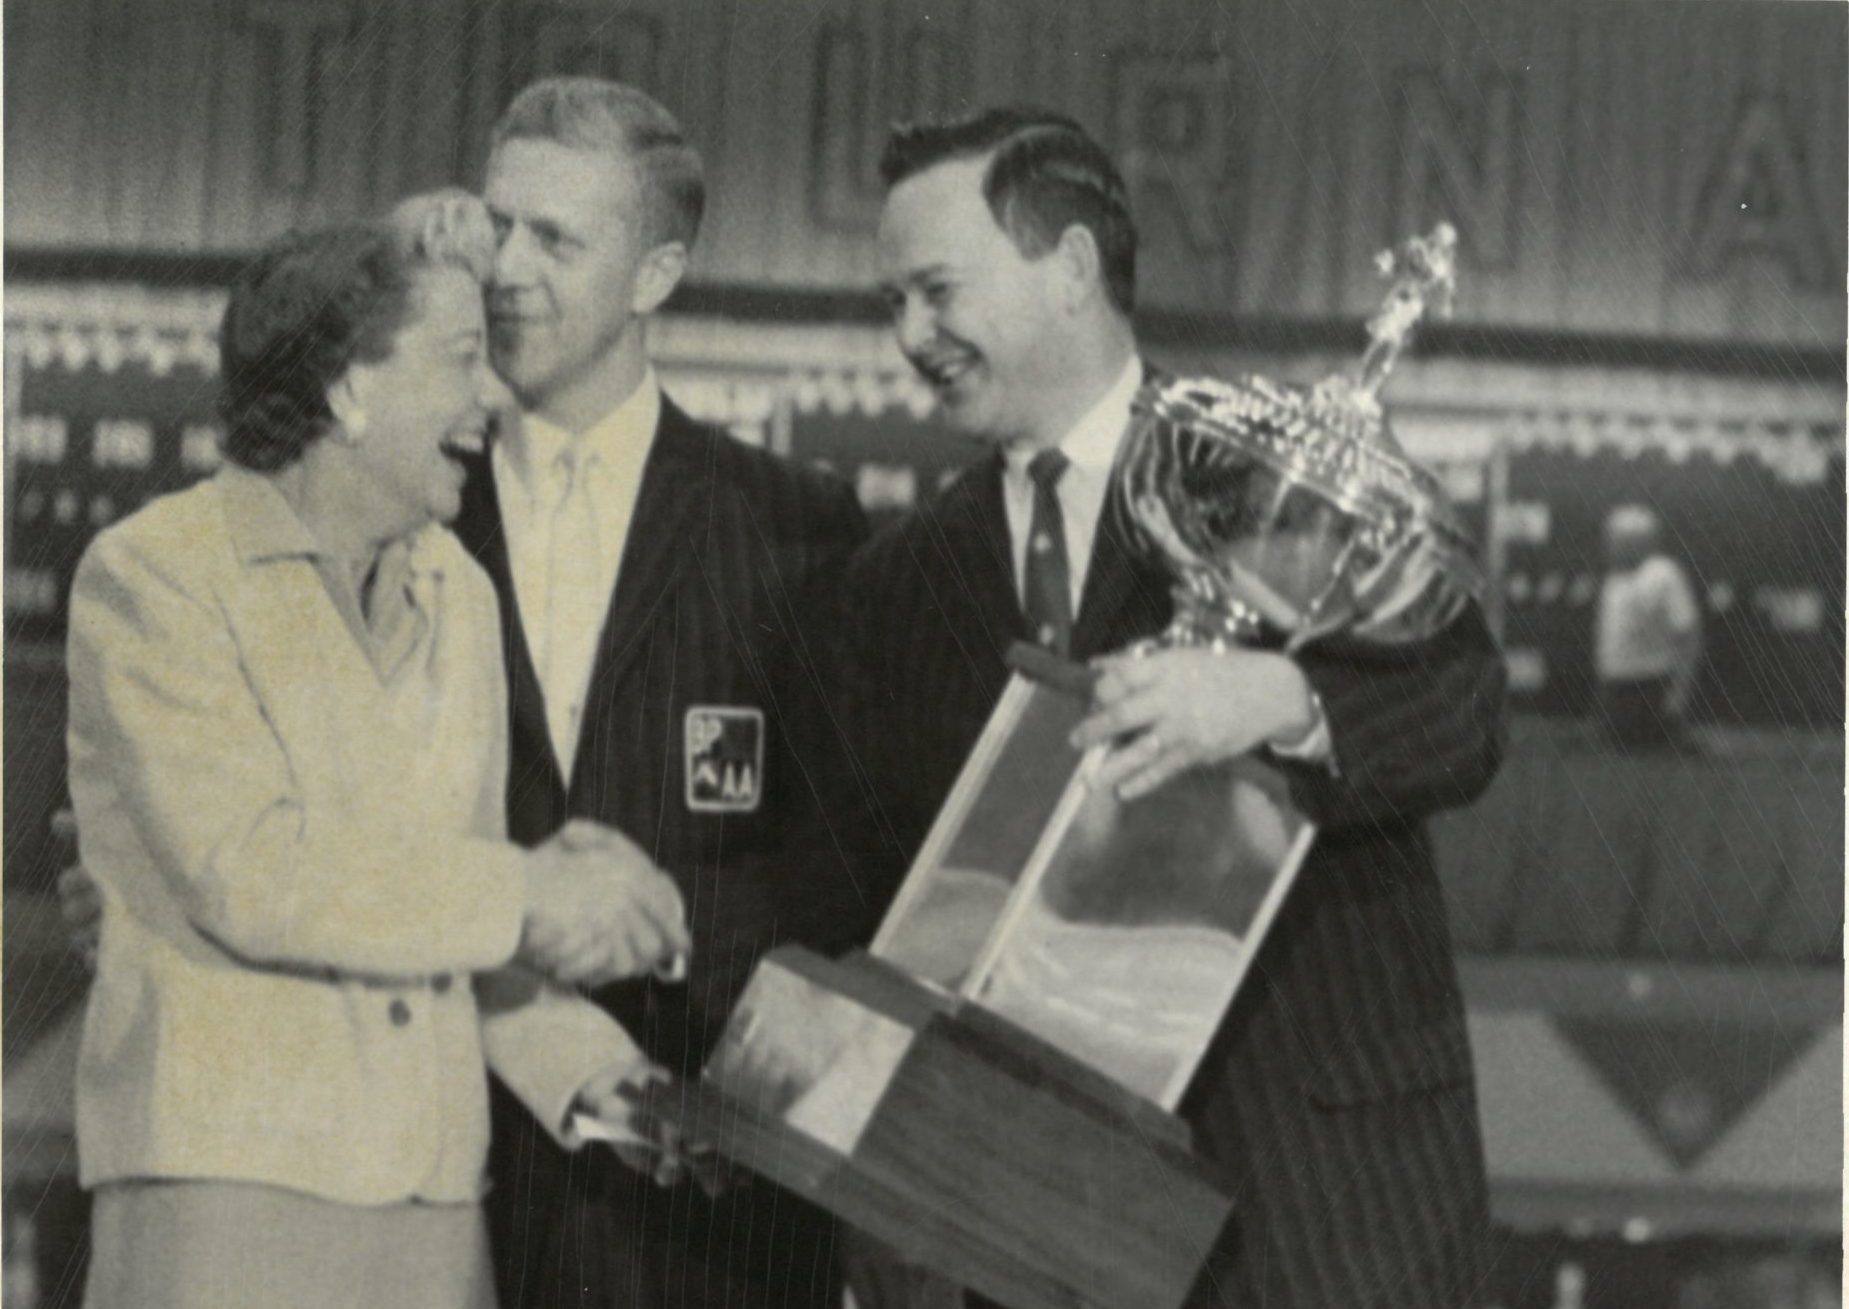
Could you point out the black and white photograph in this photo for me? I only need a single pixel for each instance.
(923, 654)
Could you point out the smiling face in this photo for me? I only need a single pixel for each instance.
(977, 319)
(427, 402)
(574, 271)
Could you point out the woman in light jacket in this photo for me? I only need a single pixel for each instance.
(287, 758)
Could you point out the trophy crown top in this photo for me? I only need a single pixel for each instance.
(1424, 273)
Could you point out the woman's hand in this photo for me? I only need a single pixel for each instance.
(598, 909)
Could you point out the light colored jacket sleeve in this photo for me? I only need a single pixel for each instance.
(545, 1042)
(162, 709)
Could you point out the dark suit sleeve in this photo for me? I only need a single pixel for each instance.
(1415, 729)
(890, 785)
(807, 888)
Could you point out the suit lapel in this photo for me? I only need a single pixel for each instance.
(971, 527)
(479, 527)
(676, 486)
(1125, 596)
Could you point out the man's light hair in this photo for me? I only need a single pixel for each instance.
(604, 117)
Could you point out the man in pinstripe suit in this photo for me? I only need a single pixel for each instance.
(656, 580)
(1338, 1092)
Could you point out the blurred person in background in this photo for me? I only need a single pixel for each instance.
(288, 753)
(1647, 644)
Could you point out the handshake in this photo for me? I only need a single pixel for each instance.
(598, 910)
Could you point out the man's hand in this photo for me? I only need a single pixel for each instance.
(649, 1144)
(1177, 709)
(598, 909)
(80, 904)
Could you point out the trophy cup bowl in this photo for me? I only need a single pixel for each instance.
(1288, 512)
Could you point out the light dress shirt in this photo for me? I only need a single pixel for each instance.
(566, 505)
(1091, 449)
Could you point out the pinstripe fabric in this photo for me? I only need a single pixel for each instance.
(1338, 1093)
(724, 576)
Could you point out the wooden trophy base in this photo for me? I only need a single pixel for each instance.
(965, 1143)
(989, 1091)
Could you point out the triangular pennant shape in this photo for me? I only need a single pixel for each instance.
(1685, 1080)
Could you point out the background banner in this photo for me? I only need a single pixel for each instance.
(1607, 173)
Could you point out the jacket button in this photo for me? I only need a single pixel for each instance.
(441, 984)
(400, 1013)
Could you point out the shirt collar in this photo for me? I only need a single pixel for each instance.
(1091, 443)
(264, 526)
(621, 437)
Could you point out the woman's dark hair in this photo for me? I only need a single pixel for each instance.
(300, 315)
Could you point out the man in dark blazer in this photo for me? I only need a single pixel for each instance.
(659, 584)
(1338, 1093)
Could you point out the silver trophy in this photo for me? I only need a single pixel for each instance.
(1292, 511)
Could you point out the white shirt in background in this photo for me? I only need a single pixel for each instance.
(1642, 614)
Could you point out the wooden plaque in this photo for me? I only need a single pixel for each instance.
(964, 1143)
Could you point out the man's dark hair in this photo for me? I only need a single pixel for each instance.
(1046, 174)
(299, 316)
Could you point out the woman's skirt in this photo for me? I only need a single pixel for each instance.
(225, 1245)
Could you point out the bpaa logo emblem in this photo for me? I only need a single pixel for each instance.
(725, 759)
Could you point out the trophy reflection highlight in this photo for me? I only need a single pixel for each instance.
(991, 1090)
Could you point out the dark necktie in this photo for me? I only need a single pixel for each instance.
(1046, 588)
